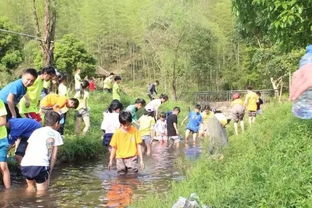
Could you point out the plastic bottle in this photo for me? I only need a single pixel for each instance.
(302, 106)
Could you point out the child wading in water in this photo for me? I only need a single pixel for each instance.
(154, 105)
(147, 123)
(110, 121)
(238, 112)
(126, 147)
(41, 153)
(172, 127)
(206, 115)
(195, 119)
(160, 129)
(83, 108)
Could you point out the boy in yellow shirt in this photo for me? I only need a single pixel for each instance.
(126, 147)
(251, 100)
(58, 103)
(238, 112)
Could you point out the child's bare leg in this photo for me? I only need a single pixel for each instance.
(236, 128)
(194, 138)
(5, 174)
(242, 125)
(250, 120)
(177, 144)
(148, 147)
(77, 125)
(31, 185)
(253, 119)
(42, 187)
(86, 120)
(187, 134)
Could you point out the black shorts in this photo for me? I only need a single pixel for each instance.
(21, 149)
(38, 173)
(107, 139)
(192, 131)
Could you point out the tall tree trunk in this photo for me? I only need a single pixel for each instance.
(47, 42)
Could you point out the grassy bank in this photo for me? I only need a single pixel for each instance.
(268, 166)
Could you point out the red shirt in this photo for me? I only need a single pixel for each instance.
(92, 86)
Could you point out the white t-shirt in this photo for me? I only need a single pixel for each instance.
(37, 153)
(110, 122)
(160, 127)
(153, 105)
(77, 81)
(62, 90)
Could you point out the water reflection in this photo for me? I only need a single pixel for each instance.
(93, 185)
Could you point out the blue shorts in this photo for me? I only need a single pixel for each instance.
(107, 139)
(38, 173)
(4, 147)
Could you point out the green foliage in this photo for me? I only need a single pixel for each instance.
(10, 47)
(286, 23)
(70, 54)
(264, 167)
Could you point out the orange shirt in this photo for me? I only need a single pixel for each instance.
(125, 142)
(57, 102)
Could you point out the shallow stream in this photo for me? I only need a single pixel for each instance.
(91, 184)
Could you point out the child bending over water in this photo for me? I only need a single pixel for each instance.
(41, 153)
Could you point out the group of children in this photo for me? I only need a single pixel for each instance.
(252, 104)
(32, 121)
(129, 133)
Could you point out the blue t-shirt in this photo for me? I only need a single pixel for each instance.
(194, 121)
(21, 128)
(16, 88)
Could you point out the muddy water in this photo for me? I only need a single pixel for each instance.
(90, 184)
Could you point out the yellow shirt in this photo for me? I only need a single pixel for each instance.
(108, 83)
(116, 91)
(251, 101)
(126, 142)
(146, 125)
(46, 84)
(207, 116)
(237, 101)
(3, 112)
(33, 92)
(54, 101)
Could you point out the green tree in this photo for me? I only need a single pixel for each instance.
(285, 23)
(70, 53)
(10, 47)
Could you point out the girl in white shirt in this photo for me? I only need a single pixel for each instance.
(111, 121)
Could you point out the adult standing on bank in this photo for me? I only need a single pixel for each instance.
(77, 80)
(12, 93)
(152, 92)
(108, 83)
